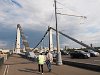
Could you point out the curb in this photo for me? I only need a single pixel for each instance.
(88, 66)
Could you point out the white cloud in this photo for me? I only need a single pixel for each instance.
(36, 15)
(3, 44)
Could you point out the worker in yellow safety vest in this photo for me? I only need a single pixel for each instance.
(41, 61)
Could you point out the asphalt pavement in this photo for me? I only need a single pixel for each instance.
(16, 65)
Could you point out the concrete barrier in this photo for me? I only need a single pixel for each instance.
(88, 66)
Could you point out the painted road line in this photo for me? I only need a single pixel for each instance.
(6, 70)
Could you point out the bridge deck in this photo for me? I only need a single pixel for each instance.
(16, 65)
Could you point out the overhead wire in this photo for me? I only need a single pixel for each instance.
(64, 6)
(50, 19)
(71, 10)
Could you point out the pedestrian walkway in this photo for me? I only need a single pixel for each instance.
(16, 65)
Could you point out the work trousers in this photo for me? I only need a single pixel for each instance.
(40, 66)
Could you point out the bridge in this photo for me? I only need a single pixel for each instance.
(23, 61)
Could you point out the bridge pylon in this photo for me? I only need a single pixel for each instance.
(17, 47)
(50, 40)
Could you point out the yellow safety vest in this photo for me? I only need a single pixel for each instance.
(41, 59)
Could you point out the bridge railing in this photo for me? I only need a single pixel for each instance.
(4, 57)
(28, 56)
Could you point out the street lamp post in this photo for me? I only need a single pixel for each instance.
(59, 59)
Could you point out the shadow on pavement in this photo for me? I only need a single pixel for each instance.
(29, 70)
(18, 63)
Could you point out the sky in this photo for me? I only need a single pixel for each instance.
(35, 16)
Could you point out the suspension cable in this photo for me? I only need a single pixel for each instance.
(42, 38)
(83, 44)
